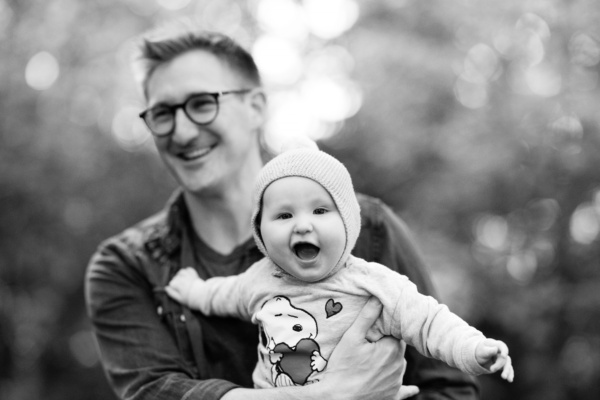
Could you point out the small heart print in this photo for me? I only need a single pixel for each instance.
(332, 308)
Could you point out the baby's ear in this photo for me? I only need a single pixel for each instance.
(298, 142)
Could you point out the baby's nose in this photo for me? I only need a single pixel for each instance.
(303, 225)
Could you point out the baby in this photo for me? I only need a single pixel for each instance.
(309, 289)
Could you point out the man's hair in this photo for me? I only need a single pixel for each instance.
(156, 51)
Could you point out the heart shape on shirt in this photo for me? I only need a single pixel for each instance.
(296, 362)
(332, 308)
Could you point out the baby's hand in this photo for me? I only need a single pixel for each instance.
(493, 355)
(180, 286)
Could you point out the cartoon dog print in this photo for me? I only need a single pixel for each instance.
(290, 334)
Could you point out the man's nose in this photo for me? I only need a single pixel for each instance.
(185, 130)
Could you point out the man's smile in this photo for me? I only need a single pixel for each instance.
(195, 153)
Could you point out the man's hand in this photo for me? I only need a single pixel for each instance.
(493, 355)
(180, 287)
(359, 369)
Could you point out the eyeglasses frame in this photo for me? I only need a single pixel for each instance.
(174, 107)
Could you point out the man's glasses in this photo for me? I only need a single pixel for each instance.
(200, 108)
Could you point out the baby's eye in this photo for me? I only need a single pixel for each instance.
(284, 216)
(320, 211)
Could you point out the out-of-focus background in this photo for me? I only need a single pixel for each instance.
(476, 120)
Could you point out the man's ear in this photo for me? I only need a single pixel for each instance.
(258, 102)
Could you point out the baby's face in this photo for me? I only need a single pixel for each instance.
(301, 228)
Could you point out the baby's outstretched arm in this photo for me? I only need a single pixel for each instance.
(218, 296)
(183, 286)
(493, 355)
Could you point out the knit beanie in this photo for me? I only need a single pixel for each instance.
(306, 160)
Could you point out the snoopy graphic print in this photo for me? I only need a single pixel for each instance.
(290, 335)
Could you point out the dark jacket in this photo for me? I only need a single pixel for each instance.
(144, 337)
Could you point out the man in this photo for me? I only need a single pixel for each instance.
(206, 110)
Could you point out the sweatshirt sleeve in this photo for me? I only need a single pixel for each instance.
(425, 324)
(227, 296)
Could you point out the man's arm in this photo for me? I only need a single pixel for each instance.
(139, 354)
(386, 239)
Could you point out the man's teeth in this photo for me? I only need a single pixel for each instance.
(196, 153)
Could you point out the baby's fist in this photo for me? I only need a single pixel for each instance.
(493, 355)
(181, 284)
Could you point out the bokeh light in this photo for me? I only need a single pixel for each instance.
(128, 129)
(566, 129)
(284, 18)
(535, 24)
(329, 19)
(522, 266)
(469, 94)
(332, 60)
(222, 16)
(331, 100)
(543, 213)
(492, 232)
(290, 116)
(278, 60)
(544, 80)
(308, 81)
(523, 43)
(42, 71)
(585, 223)
(584, 50)
(481, 64)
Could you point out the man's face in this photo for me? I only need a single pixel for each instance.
(222, 154)
(302, 229)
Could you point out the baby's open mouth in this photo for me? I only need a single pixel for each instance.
(306, 251)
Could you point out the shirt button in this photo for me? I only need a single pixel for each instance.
(182, 318)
